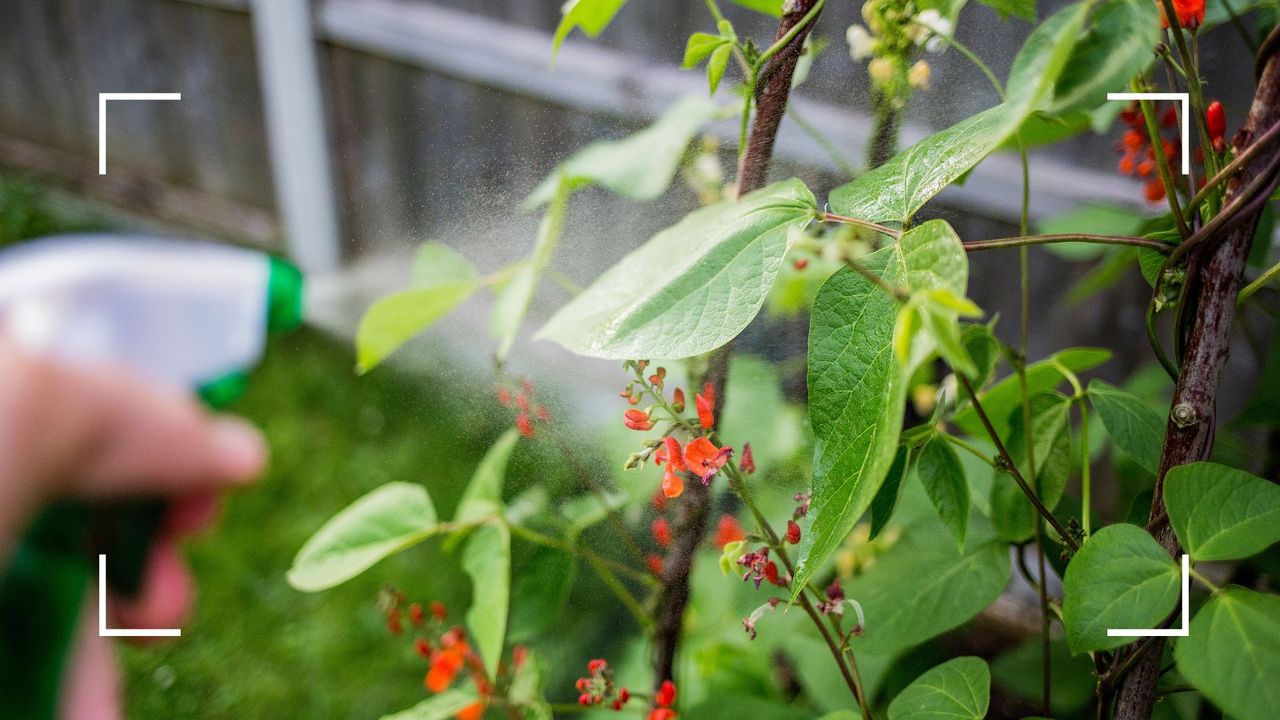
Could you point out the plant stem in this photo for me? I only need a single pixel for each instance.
(771, 93)
(1084, 466)
(825, 143)
(1212, 289)
(832, 217)
(966, 445)
(1233, 167)
(1258, 284)
(1012, 468)
(1162, 165)
(1141, 242)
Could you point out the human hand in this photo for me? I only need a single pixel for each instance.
(98, 433)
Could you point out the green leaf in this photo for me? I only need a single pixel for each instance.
(589, 16)
(487, 561)
(638, 167)
(483, 497)
(1120, 578)
(543, 580)
(893, 192)
(958, 689)
(1232, 653)
(886, 499)
(387, 520)
(768, 7)
(699, 47)
(1134, 427)
(983, 347)
(1000, 400)
(717, 64)
(692, 287)
(924, 586)
(437, 707)
(395, 319)
(857, 389)
(1115, 46)
(438, 264)
(1025, 9)
(1221, 513)
(526, 691)
(514, 299)
(1011, 511)
(943, 477)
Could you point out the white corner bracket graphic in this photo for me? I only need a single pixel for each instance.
(103, 630)
(102, 118)
(1183, 631)
(1183, 116)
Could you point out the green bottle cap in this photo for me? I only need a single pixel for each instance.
(284, 297)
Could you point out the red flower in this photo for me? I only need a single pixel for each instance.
(793, 532)
(704, 459)
(728, 531)
(445, 664)
(800, 263)
(474, 711)
(597, 666)
(748, 462)
(666, 695)
(423, 648)
(662, 714)
(1190, 13)
(677, 400)
(654, 560)
(1154, 191)
(437, 611)
(1216, 124)
(637, 420)
(415, 613)
(706, 404)
(661, 532)
(672, 483)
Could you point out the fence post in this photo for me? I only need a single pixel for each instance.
(296, 132)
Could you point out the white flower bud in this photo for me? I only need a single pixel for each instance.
(861, 44)
(918, 75)
(881, 70)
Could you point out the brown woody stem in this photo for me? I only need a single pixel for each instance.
(1217, 273)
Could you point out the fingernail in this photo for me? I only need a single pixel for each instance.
(240, 447)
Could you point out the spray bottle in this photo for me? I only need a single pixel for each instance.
(190, 315)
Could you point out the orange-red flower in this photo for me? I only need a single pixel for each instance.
(637, 420)
(729, 530)
(748, 462)
(1190, 13)
(474, 711)
(677, 400)
(666, 695)
(662, 714)
(661, 532)
(706, 404)
(445, 664)
(704, 459)
(671, 454)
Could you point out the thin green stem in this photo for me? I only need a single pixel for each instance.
(823, 142)
(1130, 240)
(966, 445)
(970, 55)
(1258, 284)
(1204, 581)
(1012, 468)
(536, 537)
(1084, 466)
(832, 217)
(790, 35)
(1162, 166)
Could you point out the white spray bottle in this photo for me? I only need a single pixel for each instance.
(190, 315)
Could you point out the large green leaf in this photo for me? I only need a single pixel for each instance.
(1120, 578)
(1000, 399)
(1221, 513)
(893, 192)
(692, 287)
(590, 16)
(395, 319)
(1011, 511)
(483, 496)
(958, 689)
(437, 707)
(383, 522)
(638, 167)
(943, 478)
(487, 560)
(1133, 426)
(1115, 46)
(1232, 653)
(924, 586)
(857, 387)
